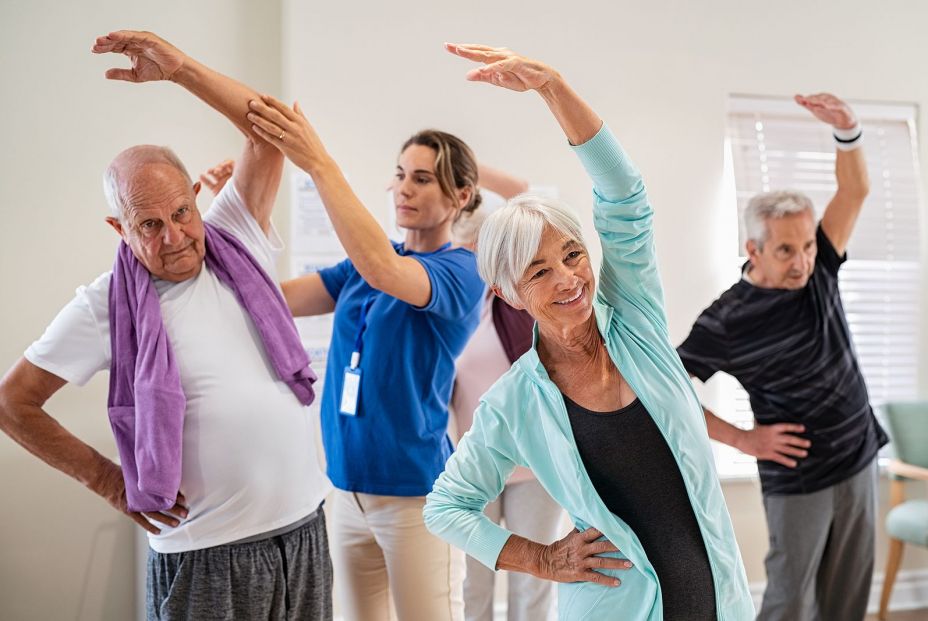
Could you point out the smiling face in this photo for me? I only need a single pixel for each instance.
(420, 202)
(557, 288)
(787, 257)
(160, 221)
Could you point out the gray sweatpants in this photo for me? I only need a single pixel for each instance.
(821, 552)
(283, 577)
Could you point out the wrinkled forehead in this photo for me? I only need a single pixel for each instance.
(796, 228)
(155, 185)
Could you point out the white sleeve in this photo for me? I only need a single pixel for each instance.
(229, 213)
(76, 344)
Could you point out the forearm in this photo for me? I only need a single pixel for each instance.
(723, 431)
(573, 114)
(501, 182)
(227, 96)
(851, 174)
(40, 434)
(520, 554)
(361, 235)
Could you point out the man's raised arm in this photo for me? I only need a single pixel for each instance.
(850, 167)
(257, 176)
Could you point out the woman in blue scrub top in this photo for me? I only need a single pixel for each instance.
(403, 313)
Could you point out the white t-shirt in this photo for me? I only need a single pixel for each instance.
(250, 462)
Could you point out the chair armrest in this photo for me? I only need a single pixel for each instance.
(908, 471)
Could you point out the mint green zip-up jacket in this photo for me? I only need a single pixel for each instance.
(522, 421)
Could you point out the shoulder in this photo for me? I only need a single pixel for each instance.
(453, 257)
(95, 297)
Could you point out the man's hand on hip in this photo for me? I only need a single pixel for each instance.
(112, 487)
(775, 443)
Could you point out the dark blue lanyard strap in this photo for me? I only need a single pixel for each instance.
(362, 321)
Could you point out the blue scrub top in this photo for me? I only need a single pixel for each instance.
(397, 443)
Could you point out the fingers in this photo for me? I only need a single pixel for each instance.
(789, 428)
(598, 578)
(607, 562)
(599, 547)
(279, 107)
(791, 440)
(782, 459)
(141, 521)
(267, 137)
(791, 450)
(271, 129)
(478, 53)
(116, 41)
(590, 535)
(267, 117)
(162, 518)
(127, 75)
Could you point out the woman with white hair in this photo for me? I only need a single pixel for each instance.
(600, 408)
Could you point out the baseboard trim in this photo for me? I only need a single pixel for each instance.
(910, 592)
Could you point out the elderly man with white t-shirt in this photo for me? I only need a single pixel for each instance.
(208, 380)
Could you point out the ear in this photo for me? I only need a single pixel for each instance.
(465, 195)
(196, 188)
(516, 304)
(117, 225)
(752, 248)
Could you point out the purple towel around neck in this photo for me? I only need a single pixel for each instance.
(146, 403)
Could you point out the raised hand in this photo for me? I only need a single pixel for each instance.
(152, 57)
(775, 443)
(216, 177)
(577, 557)
(112, 487)
(828, 109)
(503, 67)
(288, 130)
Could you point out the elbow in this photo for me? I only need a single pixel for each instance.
(430, 514)
(378, 272)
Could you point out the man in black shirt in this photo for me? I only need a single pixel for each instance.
(781, 332)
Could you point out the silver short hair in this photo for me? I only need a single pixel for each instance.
(509, 239)
(129, 162)
(772, 205)
(465, 229)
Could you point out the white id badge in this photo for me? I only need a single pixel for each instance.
(350, 391)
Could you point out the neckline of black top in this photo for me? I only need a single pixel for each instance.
(582, 410)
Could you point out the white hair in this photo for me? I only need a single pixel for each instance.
(772, 205)
(128, 163)
(465, 229)
(509, 239)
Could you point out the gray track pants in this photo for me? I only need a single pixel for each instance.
(821, 552)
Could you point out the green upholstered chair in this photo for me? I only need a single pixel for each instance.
(907, 521)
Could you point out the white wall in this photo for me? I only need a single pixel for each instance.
(65, 553)
(368, 76)
(658, 72)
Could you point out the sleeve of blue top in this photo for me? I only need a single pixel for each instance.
(474, 476)
(335, 277)
(456, 285)
(624, 220)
